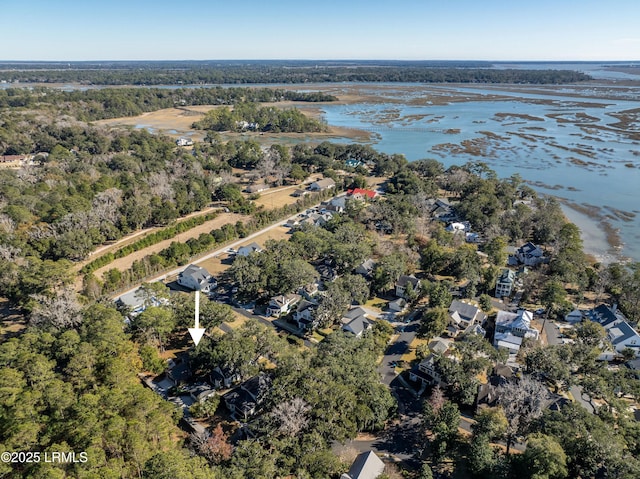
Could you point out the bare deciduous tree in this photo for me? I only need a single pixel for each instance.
(212, 446)
(523, 402)
(291, 416)
(61, 311)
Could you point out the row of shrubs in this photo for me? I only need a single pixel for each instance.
(149, 240)
(179, 254)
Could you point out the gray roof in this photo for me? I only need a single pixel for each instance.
(354, 313)
(604, 315)
(197, 273)
(621, 332)
(466, 311)
(404, 279)
(357, 325)
(325, 183)
(304, 304)
(132, 299)
(257, 386)
(256, 187)
(438, 346)
(507, 276)
(366, 466)
(250, 247)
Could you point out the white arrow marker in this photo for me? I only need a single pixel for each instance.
(197, 332)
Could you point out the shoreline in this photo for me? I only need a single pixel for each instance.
(600, 239)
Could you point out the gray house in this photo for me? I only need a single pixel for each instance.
(366, 466)
(197, 278)
(505, 283)
(463, 316)
(403, 282)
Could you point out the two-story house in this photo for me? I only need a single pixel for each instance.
(282, 304)
(463, 316)
(197, 278)
(403, 283)
(505, 283)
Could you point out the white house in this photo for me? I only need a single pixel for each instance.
(508, 341)
(620, 333)
(403, 282)
(356, 322)
(304, 316)
(518, 324)
(282, 304)
(197, 278)
(137, 301)
(184, 142)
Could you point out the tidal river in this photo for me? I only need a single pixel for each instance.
(578, 143)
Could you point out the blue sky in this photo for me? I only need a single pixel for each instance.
(284, 29)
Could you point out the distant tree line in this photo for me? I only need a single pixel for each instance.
(270, 73)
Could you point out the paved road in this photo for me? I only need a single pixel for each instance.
(217, 252)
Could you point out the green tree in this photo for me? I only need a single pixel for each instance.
(544, 458)
(434, 322)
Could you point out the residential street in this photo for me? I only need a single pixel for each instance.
(235, 244)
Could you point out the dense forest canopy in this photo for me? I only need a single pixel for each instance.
(98, 104)
(195, 73)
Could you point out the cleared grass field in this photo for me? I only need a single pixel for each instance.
(126, 262)
(221, 263)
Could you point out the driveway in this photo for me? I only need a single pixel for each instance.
(395, 351)
(552, 333)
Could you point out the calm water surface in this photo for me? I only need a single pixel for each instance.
(574, 148)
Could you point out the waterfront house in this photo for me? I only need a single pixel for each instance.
(530, 254)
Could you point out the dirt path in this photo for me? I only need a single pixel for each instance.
(125, 263)
(135, 236)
